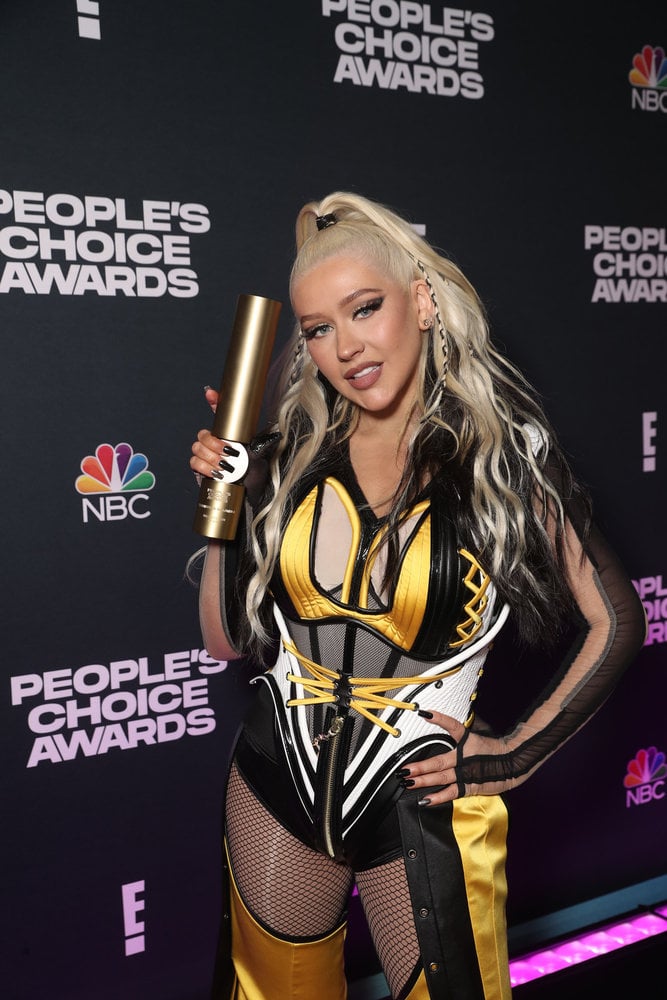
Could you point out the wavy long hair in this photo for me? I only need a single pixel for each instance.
(480, 431)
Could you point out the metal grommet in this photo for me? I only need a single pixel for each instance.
(433, 967)
(412, 854)
(423, 912)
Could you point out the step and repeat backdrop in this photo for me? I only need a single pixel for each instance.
(153, 157)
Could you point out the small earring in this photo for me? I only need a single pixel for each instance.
(427, 323)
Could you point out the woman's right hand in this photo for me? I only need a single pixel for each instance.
(211, 397)
(207, 450)
(207, 453)
(230, 461)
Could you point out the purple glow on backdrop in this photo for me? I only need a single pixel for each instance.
(588, 945)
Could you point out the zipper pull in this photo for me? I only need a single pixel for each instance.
(334, 729)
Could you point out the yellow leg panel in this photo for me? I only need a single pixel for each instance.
(268, 968)
(420, 990)
(480, 826)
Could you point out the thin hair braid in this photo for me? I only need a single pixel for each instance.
(435, 398)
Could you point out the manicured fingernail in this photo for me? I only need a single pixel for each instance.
(424, 802)
(207, 387)
(225, 465)
(425, 715)
(403, 773)
(228, 450)
(217, 474)
(408, 782)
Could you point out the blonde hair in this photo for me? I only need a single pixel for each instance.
(478, 418)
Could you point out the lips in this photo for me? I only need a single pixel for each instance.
(363, 376)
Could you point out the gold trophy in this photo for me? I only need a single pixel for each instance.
(241, 392)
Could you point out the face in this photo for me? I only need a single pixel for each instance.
(362, 332)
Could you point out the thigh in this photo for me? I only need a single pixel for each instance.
(451, 880)
(385, 897)
(291, 889)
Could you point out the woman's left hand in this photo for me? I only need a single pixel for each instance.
(442, 772)
(439, 770)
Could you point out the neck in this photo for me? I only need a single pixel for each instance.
(396, 426)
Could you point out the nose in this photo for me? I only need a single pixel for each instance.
(348, 343)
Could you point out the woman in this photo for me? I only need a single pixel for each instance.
(409, 496)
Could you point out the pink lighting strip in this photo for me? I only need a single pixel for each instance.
(589, 945)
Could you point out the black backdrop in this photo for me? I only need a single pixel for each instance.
(153, 157)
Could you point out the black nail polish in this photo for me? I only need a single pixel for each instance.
(228, 450)
(225, 465)
(403, 773)
(408, 782)
(425, 715)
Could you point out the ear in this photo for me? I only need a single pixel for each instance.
(421, 297)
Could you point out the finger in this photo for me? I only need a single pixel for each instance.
(432, 766)
(208, 446)
(455, 728)
(433, 771)
(438, 798)
(207, 453)
(211, 397)
(200, 467)
(233, 464)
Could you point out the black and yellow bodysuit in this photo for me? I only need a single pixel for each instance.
(314, 799)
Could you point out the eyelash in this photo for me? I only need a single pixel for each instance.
(370, 307)
(313, 331)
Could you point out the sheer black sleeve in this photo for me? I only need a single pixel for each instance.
(612, 633)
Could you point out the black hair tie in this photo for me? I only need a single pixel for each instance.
(324, 221)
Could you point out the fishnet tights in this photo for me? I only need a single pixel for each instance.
(386, 901)
(290, 888)
(296, 892)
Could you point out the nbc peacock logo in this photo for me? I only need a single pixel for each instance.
(645, 777)
(114, 483)
(648, 77)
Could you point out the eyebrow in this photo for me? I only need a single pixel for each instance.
(345, 301)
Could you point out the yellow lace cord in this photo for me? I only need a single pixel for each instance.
(322, 682)
(477, 603)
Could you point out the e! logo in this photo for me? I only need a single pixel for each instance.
(89, 18)
(135, 940)
(649, 431)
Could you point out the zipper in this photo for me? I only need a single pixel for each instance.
(331, 745)
(333, 737)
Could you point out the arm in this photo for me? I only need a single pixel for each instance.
(215, 628)
(213, 598)
(614, 629)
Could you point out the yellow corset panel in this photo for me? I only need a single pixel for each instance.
(400, 622)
